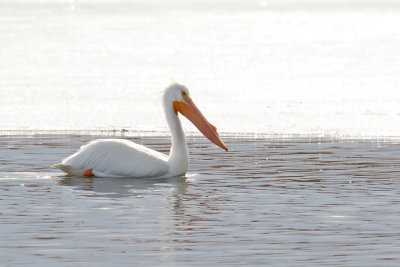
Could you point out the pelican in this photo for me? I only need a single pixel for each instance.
(123, 158)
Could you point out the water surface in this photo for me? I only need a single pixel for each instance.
(268, 201)
(255, 68)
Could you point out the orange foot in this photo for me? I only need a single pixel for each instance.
(88, 173)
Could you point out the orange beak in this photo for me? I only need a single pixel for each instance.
(191, 112)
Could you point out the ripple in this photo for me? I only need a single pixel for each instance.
(281, 201)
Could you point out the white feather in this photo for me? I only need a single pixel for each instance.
(116, 158)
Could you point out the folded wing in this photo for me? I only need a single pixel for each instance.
(116, 158)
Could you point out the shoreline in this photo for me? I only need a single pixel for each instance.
(194, 134)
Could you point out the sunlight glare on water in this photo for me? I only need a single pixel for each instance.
(251, 68)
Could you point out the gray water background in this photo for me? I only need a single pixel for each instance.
(282, 68)
(266, 202)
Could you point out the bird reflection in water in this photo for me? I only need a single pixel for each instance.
(124, 186)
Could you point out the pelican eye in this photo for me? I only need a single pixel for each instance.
(184, 95)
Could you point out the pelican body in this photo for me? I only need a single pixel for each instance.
(120, 158)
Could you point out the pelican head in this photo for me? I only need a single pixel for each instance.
(178, 98)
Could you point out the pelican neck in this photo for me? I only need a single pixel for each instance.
(179, 154)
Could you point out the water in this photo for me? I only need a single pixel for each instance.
(304, 92)
(265, 67)
(278, 202)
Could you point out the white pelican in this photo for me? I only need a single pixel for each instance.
(119, 158)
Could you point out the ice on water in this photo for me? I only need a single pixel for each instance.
(270, 67)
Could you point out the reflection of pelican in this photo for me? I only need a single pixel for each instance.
(126, 187)
(116, 158)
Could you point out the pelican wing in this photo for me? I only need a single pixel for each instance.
(116, 158)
